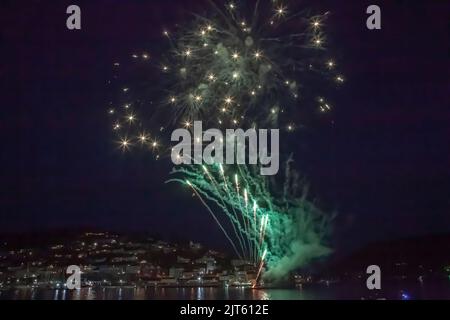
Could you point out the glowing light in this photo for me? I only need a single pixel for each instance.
(281, 11)
(235, 56)
(173, 99)
(260, 267)
(188, 53)
(264, 254)
(166, 33)
(187, 124)
(143, 138)
(330, 64)
(246, 197)
(405, 296)
(145, 56)
(131, 118)
(258, 55)
(125, 144)
(228, 100)
(211, 77)
(111, 111)
(235, 75)
(339, 79)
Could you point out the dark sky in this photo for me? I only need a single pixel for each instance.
(384, 165)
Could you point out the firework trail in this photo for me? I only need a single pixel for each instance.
(283, 231)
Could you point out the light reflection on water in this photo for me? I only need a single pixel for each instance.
(353, 292)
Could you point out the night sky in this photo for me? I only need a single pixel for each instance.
(384, 165)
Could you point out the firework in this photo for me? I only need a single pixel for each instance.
(285, 231)
(257, 64)
(260, 64)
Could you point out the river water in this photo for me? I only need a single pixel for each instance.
(318, 292)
